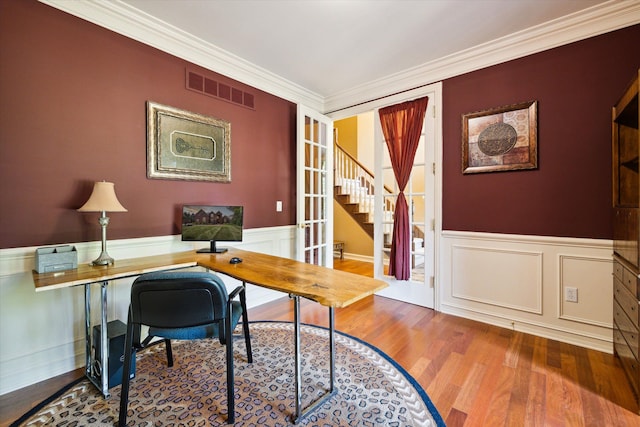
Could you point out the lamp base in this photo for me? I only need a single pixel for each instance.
(103, 259)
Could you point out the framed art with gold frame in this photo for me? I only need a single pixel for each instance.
(500, 139)
(187, 146)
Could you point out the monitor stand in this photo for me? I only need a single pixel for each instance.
(212, 249)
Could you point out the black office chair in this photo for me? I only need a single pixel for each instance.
(183, 305)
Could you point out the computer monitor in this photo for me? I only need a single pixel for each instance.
(212, 224)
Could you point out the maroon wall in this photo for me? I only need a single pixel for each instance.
(570, 193)
(72, 111)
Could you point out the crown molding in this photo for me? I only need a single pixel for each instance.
(123, 19)
(599, 19)
(130, 22)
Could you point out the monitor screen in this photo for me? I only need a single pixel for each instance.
(212, 224)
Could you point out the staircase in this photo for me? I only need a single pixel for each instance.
(354, 191)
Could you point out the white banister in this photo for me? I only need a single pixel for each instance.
(358, 182)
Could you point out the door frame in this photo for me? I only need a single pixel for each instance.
(434, 91)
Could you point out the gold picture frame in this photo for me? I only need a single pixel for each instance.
(188, 146)
(500, 139)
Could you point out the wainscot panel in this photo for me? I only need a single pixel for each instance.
(519, 282)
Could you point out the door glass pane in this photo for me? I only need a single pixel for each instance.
(417, 209)
(315, 131)
(317, 182)
(307, 181)
(323, 133)
(417, 178)
(321, 155)
(322, 240)
(307, 155)
(307, 128)
(389, 179)
(314, 227)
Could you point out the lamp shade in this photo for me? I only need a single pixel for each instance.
(103, 198)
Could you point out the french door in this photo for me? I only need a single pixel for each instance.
(314, 211)
(423, 198)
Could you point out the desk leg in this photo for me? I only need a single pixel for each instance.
(104, 346)
(298, 370)
(101, 382)
(87, 331)
(332, 349)
(300, 413)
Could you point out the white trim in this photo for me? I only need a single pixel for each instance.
(131, 22)
(358, 257)
(533, 239)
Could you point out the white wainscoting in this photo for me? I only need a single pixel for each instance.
(42, 334)
(518, 282)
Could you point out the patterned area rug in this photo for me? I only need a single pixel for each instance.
(372, 390)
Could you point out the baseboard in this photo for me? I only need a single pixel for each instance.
(358, 257)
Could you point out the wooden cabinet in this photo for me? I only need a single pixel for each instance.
(626, 235)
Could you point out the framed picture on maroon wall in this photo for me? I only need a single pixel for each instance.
(500, 139)
(187, 146)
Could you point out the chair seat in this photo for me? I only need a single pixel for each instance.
(196, 332)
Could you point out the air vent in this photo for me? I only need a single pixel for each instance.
(210, 87)
(207, 86)
(224, 91)
(248, 100)
(195, 82)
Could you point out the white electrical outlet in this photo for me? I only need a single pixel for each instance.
(279, 206)
(570, 294)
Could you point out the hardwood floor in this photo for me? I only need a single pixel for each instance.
(475, 374)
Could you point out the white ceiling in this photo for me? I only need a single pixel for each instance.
(329, 46)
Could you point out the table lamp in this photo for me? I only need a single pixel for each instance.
(103, 199)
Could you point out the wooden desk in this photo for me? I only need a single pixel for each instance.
(328, 287)
(320, 284)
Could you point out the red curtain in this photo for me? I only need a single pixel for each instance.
(402, 126)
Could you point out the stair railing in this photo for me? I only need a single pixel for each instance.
(357, 181)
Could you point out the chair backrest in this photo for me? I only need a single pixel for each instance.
(178, 299)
